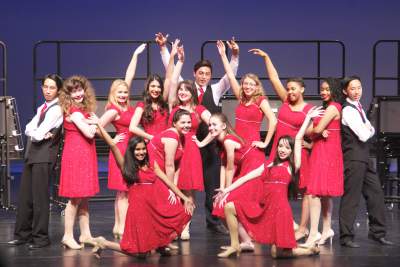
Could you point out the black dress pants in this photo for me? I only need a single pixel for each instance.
(33, 204)
(360, 179)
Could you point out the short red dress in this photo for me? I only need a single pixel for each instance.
(191, 167)
(151, 220)
(289, 123)
(326, 161)
(246, 159)
(115, 179)
(79, 177)
(156, 150)
(270, 220)
(248, 120)
(159, 123)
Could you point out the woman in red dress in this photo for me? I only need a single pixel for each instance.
(290, 118)
(253, 105)
(326, 163)
(119, 113)
(79, 179)
(152, 220)
(238, 158)
(183, 95)
(269, 219)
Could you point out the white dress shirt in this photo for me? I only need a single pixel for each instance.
(219, 88)
(351, 118)
(53, 119)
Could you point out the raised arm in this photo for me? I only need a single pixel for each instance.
(272, 74)
(134, 125)
(119, 158)
(173, 72)
(131, 70)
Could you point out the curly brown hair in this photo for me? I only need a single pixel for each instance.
(77, 81)
(259, 91)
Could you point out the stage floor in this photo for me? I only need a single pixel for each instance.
(202, 248)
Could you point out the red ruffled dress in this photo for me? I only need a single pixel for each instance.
(248, 120)
(289, 123)
(246, 159)
(115, 179)
(151, 220)
(191, 167)
(270, 220)
(79, 177)
(326, 161)
(158, 124)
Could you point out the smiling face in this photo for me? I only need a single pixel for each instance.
(325, 92)
(78, 94)
(284, 149)
(49, 90)
(216, 126)
(184, 94)
(154, 89)
(249, 87)
(184, 124)
(295, 92)
(353, 90)
(121, 94)
(202, 76)
(140, 151)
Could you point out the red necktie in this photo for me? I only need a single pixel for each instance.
(200, 97)
(43, 109)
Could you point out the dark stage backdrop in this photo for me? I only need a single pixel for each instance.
(357, 23)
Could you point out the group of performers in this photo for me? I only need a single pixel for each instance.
(176, 141)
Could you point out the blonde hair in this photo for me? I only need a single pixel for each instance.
(89, 100)
(112, 99)
(259, 88)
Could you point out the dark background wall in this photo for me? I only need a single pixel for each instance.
(355, 22)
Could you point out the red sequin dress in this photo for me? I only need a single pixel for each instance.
(115, 179)
(326, 161)
(156, 150)
(151, 220)
(191, 167)
(79, 177)
(246, 159)
(270, 220)
(248, 120)
(158, 124)
(289, 123)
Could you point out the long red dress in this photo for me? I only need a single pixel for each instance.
(246, 159)
(115, 179)
(289, 123)
(326, 161)
(270, 220)
(156, 150)
(151, 220)
(191, 167)
(79, 176)
(248, 120)
(158, 124)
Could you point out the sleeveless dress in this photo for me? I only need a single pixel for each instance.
(326, 161)
(156, 150)
(289, 123)
(191, 167)
(158, 124)
(246, 159)
(79, 174)
(248, 120)
(115, 179)
(151, 220)
(270, 220)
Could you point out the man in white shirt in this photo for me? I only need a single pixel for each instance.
(44, 135)
(359, 176)
(209, 96)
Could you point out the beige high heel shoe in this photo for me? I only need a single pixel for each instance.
(229, 252)
(70, 244)
(98, 248)
(324, 237)
(311, 242)
(90, 241)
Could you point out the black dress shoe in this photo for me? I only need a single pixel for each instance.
(350, 244)
(218, 229)
(38, 246)
(17, 242)
(381, 240)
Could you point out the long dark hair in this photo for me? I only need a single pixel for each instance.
(131, 164)
(148, 113)
(335, 89)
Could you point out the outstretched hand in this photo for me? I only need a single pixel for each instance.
(181, 53)
(258, 52)
(175, 46)
(221, 47)
(233, 46)
(139, 49)
(161, 39)
(316, 112)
